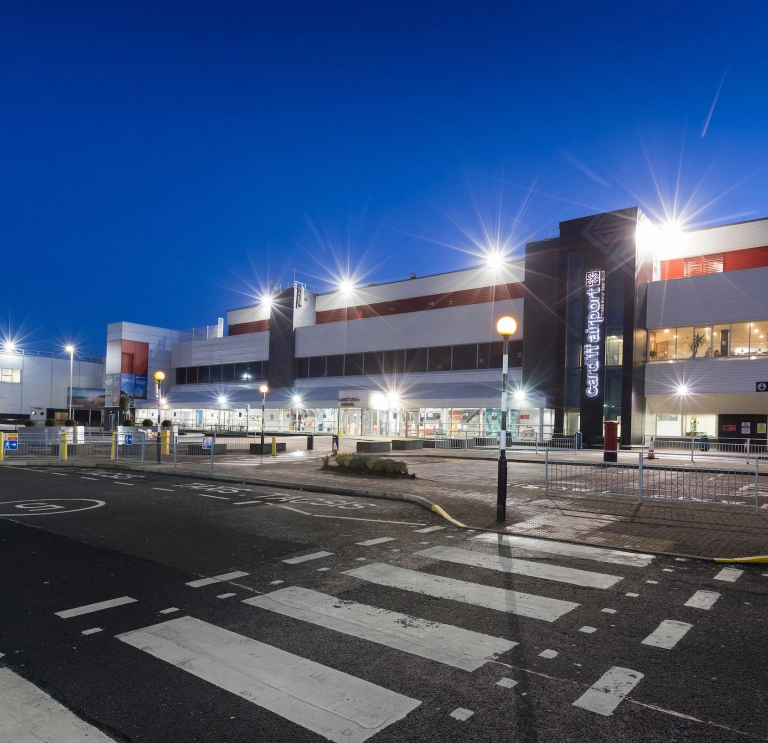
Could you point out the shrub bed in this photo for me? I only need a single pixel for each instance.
(367, 464)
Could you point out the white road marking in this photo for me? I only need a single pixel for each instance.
(548, 654)
(632, 595)
(444, 643)
(167, 490)
(609, 690)
(288, 508)
(667, 570)
(231, 576)
(170, 610)
(499, 599)
(218, 497)
(276, 582)
(247, 502)
(428, 529)
(380, 540)
(601, 554)
(89, 478)
(77, 611)
(28, 714)
(335, 705)
(729, 574)
(653, 582)
(60, 474)
(322, 570)
(202, 582)
(702, 600)
(506, 683)
(226, 595)
(304, 558)
(667, 634)
(355, 518)
(91, 631)
(608, 611)
(539, 570)
(588, 630)
(461, 713)
(117, 482)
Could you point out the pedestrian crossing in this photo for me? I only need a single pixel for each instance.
(342, 707)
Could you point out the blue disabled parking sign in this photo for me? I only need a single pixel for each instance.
(128, 439)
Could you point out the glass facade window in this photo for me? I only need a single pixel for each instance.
(334, 366)
(758, 344)
(204, 374)
(614, 350)
(317, 366)
(684, 340)
(465, 357)
(227, 372)
(394, 362)
(10, 376)
(353, 364)
(740, 339)
(721, 340)
(245, 371)
(416, 360)
(181, 376)
(439, 359)
(702, 342)
(373, 363)
(709, 341)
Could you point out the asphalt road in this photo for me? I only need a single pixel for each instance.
(213, 630)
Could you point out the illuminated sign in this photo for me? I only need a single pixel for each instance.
(595, 284)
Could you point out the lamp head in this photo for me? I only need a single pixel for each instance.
(263, 389)
(506, 326)
(159, 376)
(69, 349)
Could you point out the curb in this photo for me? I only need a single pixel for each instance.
(381, 495)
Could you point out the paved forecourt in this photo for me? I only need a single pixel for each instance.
(290, 619)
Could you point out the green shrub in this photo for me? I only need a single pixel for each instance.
(362, 462)
(70, 423)
(50, 422)
(342, 459)
(326, 462)
(147, 422)
(391, 466)
(127, 422)
(167, 424)
(30, 423)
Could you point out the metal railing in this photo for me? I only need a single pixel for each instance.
(705, 484)
(704, 447)
(471, 441)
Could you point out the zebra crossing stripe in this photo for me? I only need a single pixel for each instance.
(609, 690)
(340, 707)
(702, 600)
(582, 551)
(444, 643)
(541, 570)
(667, 634)
(500, 599)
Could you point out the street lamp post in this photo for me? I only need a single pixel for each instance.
(506, 327)
(263, 389)
(71, 351)
(159, 377)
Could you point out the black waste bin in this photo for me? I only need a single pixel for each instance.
(310, 442)
(704, 442)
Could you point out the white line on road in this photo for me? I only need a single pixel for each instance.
(609, 690)
(702, 600)
(633, 559)
(355, 518)
(170, 610)
(202, 582)
(288, 508)
(444, 643)
(500, 599)
(167, 490)
(29, 714)
(304, 558)
(667, 634)
(216, 579)
(522, 567)
(428, 529)
(91, 631)
(246, 502)
(89, 478)
(729, 574)
(506, 683)
(218, 497)
(226, 595)
(462, 714)
(117, 482)
(380, 540)
(231, 576)
(60, 474)
(335, 705)
(88, 608)
(548, 654)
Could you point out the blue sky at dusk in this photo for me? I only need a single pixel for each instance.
(162, 160)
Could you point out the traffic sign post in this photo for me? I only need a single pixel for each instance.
(11, 442)
(128, 439)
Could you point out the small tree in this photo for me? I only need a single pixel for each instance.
(147, 422)
(125, 406)
(70, 423)
(50, 422)
(30, 423)
(697, 342)
(167, 424)
(128, 422)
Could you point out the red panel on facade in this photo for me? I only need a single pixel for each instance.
(134, 358)
(738, 260)
(460, 298)
(672, 269)
(243, 328)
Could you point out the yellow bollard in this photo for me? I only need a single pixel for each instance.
(165, 441)
(64, 447)
(114, 445)
(2, 446)
(274, 446)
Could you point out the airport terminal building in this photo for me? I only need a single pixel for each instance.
(665, 332)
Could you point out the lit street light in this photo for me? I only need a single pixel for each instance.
(263, 389)
(506, 327)
(159, 377)
(71, 351)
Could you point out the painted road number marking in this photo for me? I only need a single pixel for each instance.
(340, 707)
(47, 506)
(609, 690)
(454, 646)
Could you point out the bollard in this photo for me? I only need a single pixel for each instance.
(165, 442)
(640, 479)
(63, 449)
(310, 442)
(2, 446)
(113, 448)
(651, 454)
(274, 446)
(334, 445)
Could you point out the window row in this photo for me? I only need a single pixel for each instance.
(411, 360)
(708, 341)
(13, 376)
(245, 371)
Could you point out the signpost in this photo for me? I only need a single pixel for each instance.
(11, 442)
(128, 439)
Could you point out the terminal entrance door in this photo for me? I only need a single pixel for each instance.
(350, 421)
(412, 422)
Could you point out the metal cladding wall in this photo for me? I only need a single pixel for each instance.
(541, 318)
(247, 347)
(282, 364)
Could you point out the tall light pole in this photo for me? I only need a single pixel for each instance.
(159, 377)
(506, 327)
(263, 389)
(71, 351)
